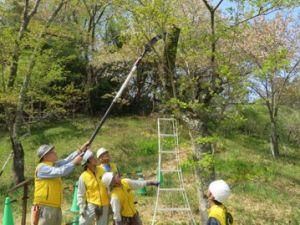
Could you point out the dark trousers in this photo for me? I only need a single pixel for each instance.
(135, 220)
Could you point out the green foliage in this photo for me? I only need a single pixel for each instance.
(188, 165)
(207, 140)
(206, 162)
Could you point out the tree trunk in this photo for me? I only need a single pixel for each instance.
(16, 52)
(170, 52)
(274, 139)
(16, 123)
(18, 159)
(95, 12)
(204, 175)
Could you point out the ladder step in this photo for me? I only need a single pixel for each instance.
(171, 189)
(169, 152)
(168, 135)
(167, 119)
(170, 171)
(173, 209)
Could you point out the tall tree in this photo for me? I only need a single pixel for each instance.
(27, 15)
(215, 75)
(95, 13)
(14, 111)
(276, 63)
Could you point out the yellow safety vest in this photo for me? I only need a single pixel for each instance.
(126, 198)
(47, 191)
(113, 168)
(218, 212)
(96, 192)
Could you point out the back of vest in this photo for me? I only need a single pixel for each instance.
(126, 198)
(218, 212)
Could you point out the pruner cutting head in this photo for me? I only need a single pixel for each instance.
(149, 45)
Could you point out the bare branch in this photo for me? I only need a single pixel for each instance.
(286, 79)
(260, 13)
(257, 91)
(87, 8)
(54, 14)
(34, 10)
(209, 7)
(101, 14)
(218, 5)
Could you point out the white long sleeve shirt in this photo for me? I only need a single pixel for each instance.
(81, 199)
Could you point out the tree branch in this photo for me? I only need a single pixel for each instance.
(101, 14)
(34, 10)
(260, 13)
(87, 8)
(257, 91)
(286, 79)
(220, 2)
(209, 7)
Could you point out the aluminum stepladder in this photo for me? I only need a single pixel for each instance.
(172, 133)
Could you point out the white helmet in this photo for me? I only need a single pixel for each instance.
(101, 151)
(107, 178)
(220, 190)
(88, 154)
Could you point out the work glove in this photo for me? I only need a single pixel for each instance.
(152, 183)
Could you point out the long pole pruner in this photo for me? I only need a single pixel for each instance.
(148, 48)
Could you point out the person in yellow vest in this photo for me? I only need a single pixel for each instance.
(104, 161)
(218, 192)
(92, 196)
(122, 198)
(47, 200)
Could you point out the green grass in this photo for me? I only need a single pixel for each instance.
(131, 141)
(264, 191)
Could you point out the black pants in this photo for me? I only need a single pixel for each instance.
(135, 220)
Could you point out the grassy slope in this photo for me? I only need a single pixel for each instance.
(264, 191)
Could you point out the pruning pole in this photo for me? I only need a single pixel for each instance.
(148, 48)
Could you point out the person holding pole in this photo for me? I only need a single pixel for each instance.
(48, 188)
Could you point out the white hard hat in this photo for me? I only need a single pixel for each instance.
(88, 154)
(220, 190)
(107, 178)
(101, 151)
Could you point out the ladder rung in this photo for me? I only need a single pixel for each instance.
(171, 189)
(170, 171)
(168, 135)
(167, 119)
(172, 209)
(169, 152)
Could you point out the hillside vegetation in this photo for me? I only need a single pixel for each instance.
(265, 191)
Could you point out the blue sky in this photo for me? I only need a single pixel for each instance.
(228, 3)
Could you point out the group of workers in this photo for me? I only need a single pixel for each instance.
(101, 190)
